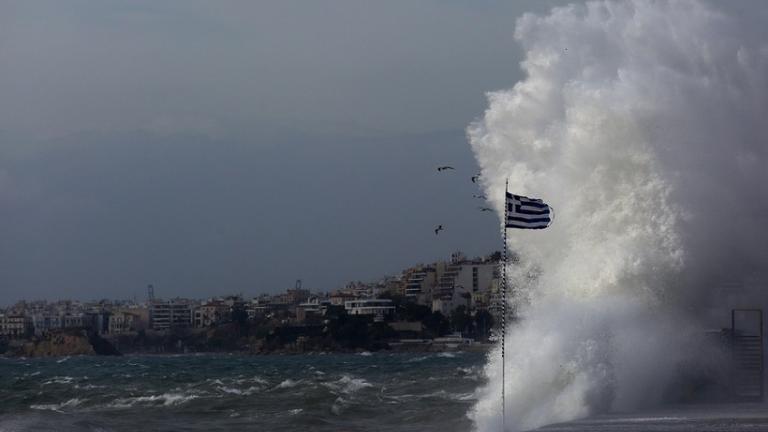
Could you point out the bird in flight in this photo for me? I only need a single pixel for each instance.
(475, 178)
(485, 209)
(481, 196)
(438, 229)
(446, 167)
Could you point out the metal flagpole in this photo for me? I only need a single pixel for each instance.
(504, 308)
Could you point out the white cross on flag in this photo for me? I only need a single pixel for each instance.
(527, 213)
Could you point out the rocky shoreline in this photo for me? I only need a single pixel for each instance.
(216, 340)
(60, 344)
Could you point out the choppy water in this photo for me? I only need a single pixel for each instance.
(350, 392)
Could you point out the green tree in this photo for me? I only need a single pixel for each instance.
(436, 324)
(460, 319)
(483, 324)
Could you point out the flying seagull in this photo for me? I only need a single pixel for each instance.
(446, 167)
(438, 229)
(475, 178)
(485, 209)
(481, 196)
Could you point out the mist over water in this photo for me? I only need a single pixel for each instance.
(643, 125)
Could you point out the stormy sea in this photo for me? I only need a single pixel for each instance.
(333, 392)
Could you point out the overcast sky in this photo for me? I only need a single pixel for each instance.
(221, 147)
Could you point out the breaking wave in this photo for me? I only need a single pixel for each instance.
(642, 123)
(165, 399)
(288, 383)
(72, 403)
(347, 384)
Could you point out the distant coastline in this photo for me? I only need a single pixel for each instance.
(357, 335)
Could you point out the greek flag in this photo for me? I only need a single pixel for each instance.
(527, 213)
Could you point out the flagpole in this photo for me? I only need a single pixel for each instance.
(504, 308)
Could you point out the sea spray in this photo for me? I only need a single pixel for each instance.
(627, 114)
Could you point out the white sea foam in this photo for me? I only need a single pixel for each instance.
(288, 383)
(238, 391)
(347, 385)
(446, 355)
(59, 380)
(89, 386)
(442, 394)
(71, 403)
(643, 125)
(165, 399)
(259, 380)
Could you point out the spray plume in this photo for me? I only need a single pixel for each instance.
(644, 125)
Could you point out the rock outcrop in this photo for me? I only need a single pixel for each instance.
(65, 343)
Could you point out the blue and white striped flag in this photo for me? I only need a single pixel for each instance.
(527, 213)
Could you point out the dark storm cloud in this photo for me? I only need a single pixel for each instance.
(236, 146)
(102, 214)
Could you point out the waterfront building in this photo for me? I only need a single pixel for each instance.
(44, 322)
(315, 307)
(15, 326)
(393, 285)
(339, 298)
(211, 313)
(463, 280)
(121, 322)
(165, 315)
(420, 283)
(98, 320)
(378, 308)
(257, 307)
(74, 320)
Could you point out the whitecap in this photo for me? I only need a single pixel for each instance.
(58, 407)
(287, 384)
(59, 380)
(442, 394)
(239, 392)
(259, 380)
(165, 399)
(88, 387)
(347, 384)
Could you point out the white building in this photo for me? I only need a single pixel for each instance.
(379, 308)
(460, 282)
